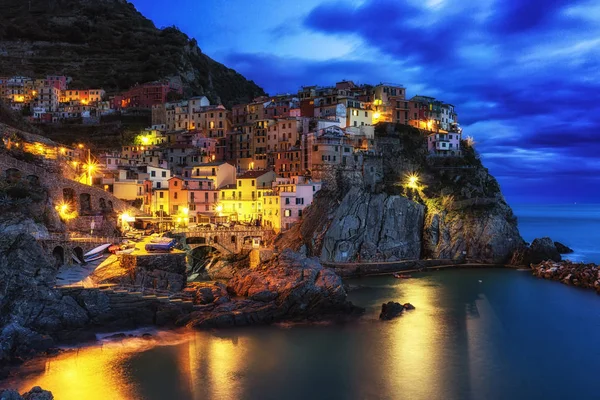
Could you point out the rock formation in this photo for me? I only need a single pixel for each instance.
(576, 274)
(541, 249)
(30, 309)
(369, 213)
(562, 249)
(392, 309)
(291, 286)
(375, 227)
(35, 393)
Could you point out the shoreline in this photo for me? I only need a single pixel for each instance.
(358, 270)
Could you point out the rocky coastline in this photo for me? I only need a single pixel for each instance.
(581, 275)
(35, 316)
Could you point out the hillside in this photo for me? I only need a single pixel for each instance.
(109, 44)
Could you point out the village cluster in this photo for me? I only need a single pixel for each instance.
(259, 163)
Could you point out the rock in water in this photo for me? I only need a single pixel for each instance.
(36, 393)
(390, 310)
(562, 249)
(408, 306)
(542, 249)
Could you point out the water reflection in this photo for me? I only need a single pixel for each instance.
(466, 339)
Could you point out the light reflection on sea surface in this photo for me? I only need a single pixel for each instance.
(508, 336)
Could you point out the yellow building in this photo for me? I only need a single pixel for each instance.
(243, 201)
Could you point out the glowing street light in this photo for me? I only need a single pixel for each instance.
(185, 211)
(145, 139)
(413, 181)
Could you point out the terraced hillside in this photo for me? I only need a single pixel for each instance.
(109, 44)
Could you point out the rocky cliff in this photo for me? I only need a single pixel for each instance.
(288, 287)
(109, 44)
(372, 213)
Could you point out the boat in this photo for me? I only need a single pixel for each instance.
(162, 244)
(76, 259)
(93, 257)
(97, 250)
(402, 276)
(114, 248)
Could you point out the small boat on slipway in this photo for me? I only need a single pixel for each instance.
(402, 276)
(162, 245)
(96, 253)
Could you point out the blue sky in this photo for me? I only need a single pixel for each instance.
(524, 75)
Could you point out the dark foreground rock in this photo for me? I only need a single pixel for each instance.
(562, 249)
(542, 249)
(290, 287)
(392, 309)
(36, 393)
(35, 316)
(575, 274)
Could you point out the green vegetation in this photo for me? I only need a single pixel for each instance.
(109, 44)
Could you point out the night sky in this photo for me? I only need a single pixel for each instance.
(523, 74)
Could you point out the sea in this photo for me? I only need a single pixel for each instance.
(475, 334)
(575, 225)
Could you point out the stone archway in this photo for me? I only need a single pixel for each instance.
(102, 203)
(59, 256)
(110, 205)
(78, 252)
(85, 203)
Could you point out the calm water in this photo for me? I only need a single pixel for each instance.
(576, 225)
(510, 336)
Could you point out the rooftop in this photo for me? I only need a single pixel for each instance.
(253, 174)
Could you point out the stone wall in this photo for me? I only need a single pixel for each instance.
(157, 271)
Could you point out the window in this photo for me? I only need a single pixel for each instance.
(175, 195)
(287, 200)
(161, 195)
(175, 183)
(299, 213)
(366, 114)
(175, 208)
(192, 194)
(153, 173)
(158, 185)
(253, 182)
(287, 213)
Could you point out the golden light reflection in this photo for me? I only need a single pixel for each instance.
(214, 365)
(93, 373)
(416, 347)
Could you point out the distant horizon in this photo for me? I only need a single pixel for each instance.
(517, 72)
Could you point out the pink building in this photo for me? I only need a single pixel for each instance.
(444, 144)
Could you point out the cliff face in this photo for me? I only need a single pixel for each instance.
(457, 210)
(374, 227)
(109, 44)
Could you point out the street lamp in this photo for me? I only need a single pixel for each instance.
(413, 181)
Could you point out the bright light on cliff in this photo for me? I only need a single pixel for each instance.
(64, 211)
(413, 181)
(145, 140)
